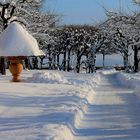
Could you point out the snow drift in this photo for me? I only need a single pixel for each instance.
(47, 77)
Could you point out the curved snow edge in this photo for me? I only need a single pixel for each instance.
(128, 80)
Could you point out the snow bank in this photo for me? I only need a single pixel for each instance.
(58, 132)
(48, 77)
(126, 79)
(76, 101)
(98, 77)
(129, 80)
(84, 87)
(107, 71)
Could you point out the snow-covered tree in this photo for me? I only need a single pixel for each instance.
(136, 1)
(81, 42)
(122, 29)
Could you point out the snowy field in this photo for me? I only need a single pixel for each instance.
(54, 105)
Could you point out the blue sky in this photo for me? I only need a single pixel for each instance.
(86, 11)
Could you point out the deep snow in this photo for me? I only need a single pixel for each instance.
(16, 41)
(54, 105)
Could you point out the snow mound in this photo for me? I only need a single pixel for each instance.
(100, 74)
(16, 41)
(108, 71)
(48, 77)
(96, 79)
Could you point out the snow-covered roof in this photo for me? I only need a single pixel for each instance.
(16, 41)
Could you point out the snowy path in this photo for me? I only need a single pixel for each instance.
(54, 105)
(113, 115)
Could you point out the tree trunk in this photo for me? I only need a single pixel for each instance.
(136, 61)
(68, 64)
(2, 66)
(103, 60)
(92, 58)
(78, 65)
(126, 62)
(93, 67)
(64, 61)
(78, 62)
(54, 61)
(87, 64)
(50, 59)
(27, 63)
(58, 61)
(41, 61)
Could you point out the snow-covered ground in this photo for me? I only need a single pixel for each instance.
(54, 105)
